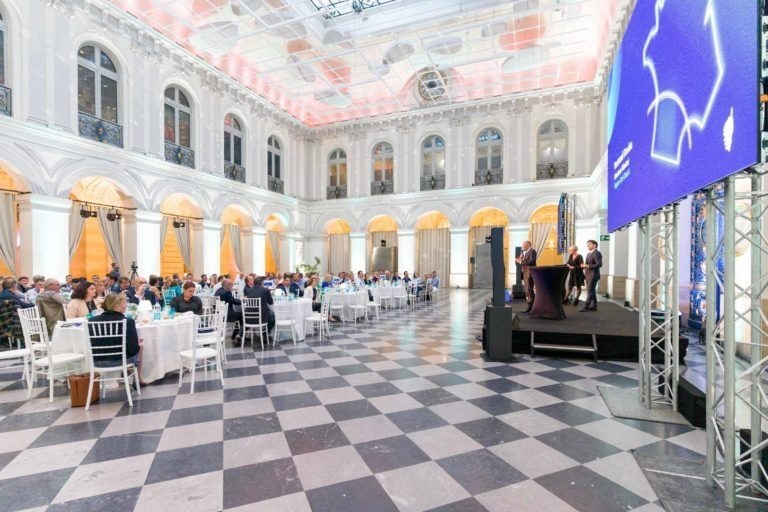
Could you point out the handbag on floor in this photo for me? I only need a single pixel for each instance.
(78, 389)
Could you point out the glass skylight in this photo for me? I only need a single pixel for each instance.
(335, 8)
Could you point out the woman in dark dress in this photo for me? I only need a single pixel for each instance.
(576, 275)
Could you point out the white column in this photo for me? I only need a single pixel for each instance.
(315, 247)
(206, 247)
(358, 255)
(288, 252)
(258, 240)
(141, 240)
(460, 257)
(406, 250)
(44, 235)
(246, 240)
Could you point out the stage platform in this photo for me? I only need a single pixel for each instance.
(613, 329)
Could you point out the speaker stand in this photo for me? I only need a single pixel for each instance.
(498, 334)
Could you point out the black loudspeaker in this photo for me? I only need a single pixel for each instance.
(497, 333)
(518, 267)
(471, 260)
(497, 264)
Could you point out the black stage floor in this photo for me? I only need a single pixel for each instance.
(616, 330)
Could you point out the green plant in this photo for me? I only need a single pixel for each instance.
(306, 268)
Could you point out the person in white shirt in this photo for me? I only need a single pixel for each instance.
(37, 287)
(360, 280)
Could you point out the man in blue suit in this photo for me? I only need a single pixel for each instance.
(225, 295)
(591, 266)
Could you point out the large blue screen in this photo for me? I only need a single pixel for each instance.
(683, 106)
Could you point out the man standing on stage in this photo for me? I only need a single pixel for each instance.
(591, 266)
(526, 260)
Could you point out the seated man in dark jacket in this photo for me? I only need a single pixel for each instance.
(9, 293)
(225, 294)
(295, 287)
(259, 292)
(188, 301)
(114, 310)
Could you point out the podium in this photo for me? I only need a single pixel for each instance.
(549, 283)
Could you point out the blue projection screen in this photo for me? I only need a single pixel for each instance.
(683, 102)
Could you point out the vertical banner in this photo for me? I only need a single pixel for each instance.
(562, 224)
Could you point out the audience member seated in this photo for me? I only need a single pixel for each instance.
(82, 301)
(295, 287)
(188, 301)
(67, 287)
(37, 287)
(284, 286)
(51, 304)
(10, 293)
(23, 285)
(311, 291)
(114, 311)
(225, 294)
(258, 291)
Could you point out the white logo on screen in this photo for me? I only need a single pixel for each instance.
(728, 128)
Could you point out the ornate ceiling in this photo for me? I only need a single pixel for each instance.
(322, 62)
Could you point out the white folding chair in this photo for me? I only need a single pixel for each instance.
(107, 355)
(321, 319)
(209, 302)
(384, 297)
(359, 306)
(411, 295)
(284, 319)
(375, 305)
(32, 314)
(252, 320)
(19, 357)
(47, 363)
(399, 294)
(168, 296)
(337, 304)
(204, 348)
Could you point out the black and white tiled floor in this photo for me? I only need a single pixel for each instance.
(402, 414)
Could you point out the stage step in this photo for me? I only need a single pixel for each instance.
(565, 348)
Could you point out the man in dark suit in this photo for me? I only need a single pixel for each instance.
(257, 291)
(225, 294)
(526, 260)
(591, 266)
(295, 287)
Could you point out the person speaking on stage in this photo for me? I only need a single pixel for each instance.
(591, 266)
(526, 260)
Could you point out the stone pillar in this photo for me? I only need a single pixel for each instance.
(406, 250)
(206, 247)
(358, 254)
(459, 257)
(141, 240)
(43, 235)
(258, 241)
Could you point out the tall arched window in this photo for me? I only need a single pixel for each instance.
(433, 163)
(383, 157)
(552, 150)
(5, 92)
(233, 149)
(178, 128)
(97, 96)
(274, 164)
(489, 152)
(337, 174)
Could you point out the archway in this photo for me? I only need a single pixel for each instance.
(543, 235)
(338, 246)
(233, 219)
(96, 224)
(275, 225)
(433, 245)
(479, 228)
(10, 187)
(176, 233)
(381, 232)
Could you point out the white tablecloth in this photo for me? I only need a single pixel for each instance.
(388, 292)
(300, 310)
(347, 300)
(162, 342)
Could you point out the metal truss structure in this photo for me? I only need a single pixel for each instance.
(659, 303)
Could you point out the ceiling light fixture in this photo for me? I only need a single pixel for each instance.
(113, 214)
(178, 223)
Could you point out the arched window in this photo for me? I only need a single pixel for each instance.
(274, 164)
(489, 151)
(337, 174)
(433, 163)
(552, 150)
(383, 157)
(5, 92)
(233, 149)
(97, 102)
(178, 128)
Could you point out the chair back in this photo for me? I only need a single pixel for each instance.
(204, 325)
(107, 343)
(34, 330)
(325, 305)
(362, 298)
(28, 313)
(251, 310)
(283, 311)
(169, 295)
(209, 302)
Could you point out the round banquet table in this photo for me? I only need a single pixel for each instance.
(162, 342)
(388, 292)
(348, 299)
(300, 310)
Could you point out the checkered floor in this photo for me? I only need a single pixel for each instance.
(402, 414)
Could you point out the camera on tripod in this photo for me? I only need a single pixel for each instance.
(134, 266)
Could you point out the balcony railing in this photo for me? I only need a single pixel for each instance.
(276, 185)
(380, 188)
(552, 171)
(5, 101)
(234, 172)
(489, 177)
(433, 182)
(91, 127)
(179, 155)
(339, 192)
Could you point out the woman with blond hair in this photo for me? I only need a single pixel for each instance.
(575, 276)
(114, 311)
